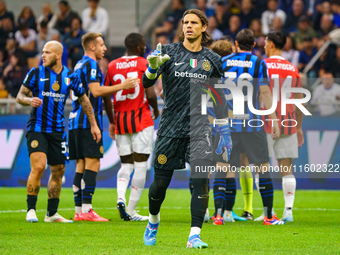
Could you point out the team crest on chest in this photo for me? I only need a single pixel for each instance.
(206, 65)
(56, 86)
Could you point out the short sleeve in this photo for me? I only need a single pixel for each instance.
(75, 84)
(30, 79)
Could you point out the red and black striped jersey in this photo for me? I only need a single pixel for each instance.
(282, 73)
(132, 110)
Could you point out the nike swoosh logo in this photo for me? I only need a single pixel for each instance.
(208, 152)
(41, 79)
(177, 64)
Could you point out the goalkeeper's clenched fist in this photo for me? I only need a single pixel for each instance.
(155, 61)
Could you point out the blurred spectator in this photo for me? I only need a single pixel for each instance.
(290, 53)
(322, 63)
(3, 56)
(326, 96)
(66, 15)
(248, 13)
(45, 34)
(177, 12)
(233, 6)
(167, 29)
(234, 26)
(335, 5)
(3, 90)
(15, 72)
(286, 5)
(27, 17)
(27, 40)
(162, 39)
(72, 41)
(306, 55)
(202, 6)
(222, 48)
(47, 16)
(323, 7)
(269, 15)
(222, 16)
(11, 47)
(334, 65)
(258, 50)
(256, 27)
(6, 31)
(304, 30)
(4, 13)
(95, 18)
(326, 25)
(277, 25)
(212, 28)
(294, 16)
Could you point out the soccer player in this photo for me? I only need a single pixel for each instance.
(282, 73)
(245, 68)
(134, 127)
(179, 125)
(82, 147)
(46, 89)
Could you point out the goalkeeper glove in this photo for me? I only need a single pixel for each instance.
(225, 144)
(155, 61)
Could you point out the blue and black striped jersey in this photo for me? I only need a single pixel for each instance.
(53, 89)
(245, 66)
(89, 72)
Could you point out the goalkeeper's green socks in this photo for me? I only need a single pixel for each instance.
(246, 182)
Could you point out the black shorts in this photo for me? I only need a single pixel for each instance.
(54, 145)
(82, 145)
(172, 153)
(253, 144)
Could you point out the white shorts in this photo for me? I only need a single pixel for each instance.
(284, 147)
(140, 142)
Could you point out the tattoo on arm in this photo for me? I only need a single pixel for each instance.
(24, 96)
(87, 108)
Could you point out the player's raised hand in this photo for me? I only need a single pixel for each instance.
(130, 83)
(96, 134)
(36, 102)
(155, 60)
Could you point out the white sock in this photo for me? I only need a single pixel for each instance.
(78, 209)
(123, 179)
(154, 219)
(85, 208)
(227, 213)
(137, 185)
(195, 231)
(257, 180)
(288, 188)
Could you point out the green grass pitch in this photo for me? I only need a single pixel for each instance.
(316, 229)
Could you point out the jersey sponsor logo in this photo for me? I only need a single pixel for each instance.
(281, 66)
(240, 63)
(41, 79)
(193, 62)
(56, 86)
(101, 149)
(93, 73)
(73, 115)
(124, 65)
(206, 65)
(180, 63)
(190, 75)
(34, 144)
(162, 159)
(57, 97)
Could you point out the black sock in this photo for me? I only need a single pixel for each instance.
(267, 193)
(89, 178)
(199, 201)
(191, 188)
(31, 202)
(52, 206)
(157, 190)
(230, 194)
(77, 189)
(219, 196)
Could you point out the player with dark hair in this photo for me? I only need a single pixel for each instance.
(82, 148)
(251, 139)
(46, 89)
(282, 73)
(133, 129)
(182, 129)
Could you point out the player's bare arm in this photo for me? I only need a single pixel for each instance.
(25, 98)
(267, 99)
(109, 113)
(299, 117)
(87, 108)
(152, 99)
(102, 91)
